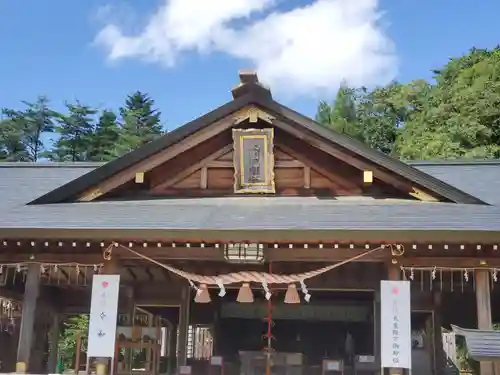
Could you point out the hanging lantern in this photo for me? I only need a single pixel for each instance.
(292, 295)
(245, 294)
(202, 295)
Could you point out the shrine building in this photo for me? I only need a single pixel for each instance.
(221, 231)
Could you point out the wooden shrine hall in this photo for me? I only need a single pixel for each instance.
(247, 231)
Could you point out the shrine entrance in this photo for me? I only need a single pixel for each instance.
(335, 325)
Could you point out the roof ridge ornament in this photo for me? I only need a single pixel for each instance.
(250, 84)
(252, 114)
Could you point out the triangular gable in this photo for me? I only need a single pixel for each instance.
(250, 98)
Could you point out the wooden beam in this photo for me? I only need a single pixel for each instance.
(323, 170)
(191, 169)
(422, 195)
(312, 253)
(449, 262)
(146, 165)
(204, 178)
(11, 294)
(307, 177)
(277, 164)
(338, 153)
(252, 114)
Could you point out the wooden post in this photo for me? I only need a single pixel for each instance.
(438, 352)
(26, 333)
(172, 348)
(54, 343)
(183, 326)
(393, 272)
(483, 302)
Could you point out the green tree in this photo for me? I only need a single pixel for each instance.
(76, 131)
(140, 122)
(384, 111)
(31, 123)
(462, 116)
(105, 137)
(73, 327)
(341, 116)
(11, 146)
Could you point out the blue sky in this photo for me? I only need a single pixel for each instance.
(71, 50)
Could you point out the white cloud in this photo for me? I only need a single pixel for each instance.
(305, 50)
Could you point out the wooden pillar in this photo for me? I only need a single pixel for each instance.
(438, 352)
(183, 326)
(54, 343)
(172, 348)
(393, 272)
(26, 333)
(483, 303)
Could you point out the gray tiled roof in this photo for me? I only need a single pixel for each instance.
(21, 183)
(478, 178)
(257, 213)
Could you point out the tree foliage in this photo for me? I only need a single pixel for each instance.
(81, 133)
(73, 327)
(456, 116)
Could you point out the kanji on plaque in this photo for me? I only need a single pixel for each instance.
(103, 316)
(396, 330)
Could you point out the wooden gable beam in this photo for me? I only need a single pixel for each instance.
(250, 113)
(158, 159)
(324, 171)
(422, 195)
(193, 168)
(355, 162)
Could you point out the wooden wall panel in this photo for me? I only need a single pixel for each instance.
(220, 178)
(190, 182)
(318, 181)
(289, 178)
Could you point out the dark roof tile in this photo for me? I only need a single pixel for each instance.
(478, 178)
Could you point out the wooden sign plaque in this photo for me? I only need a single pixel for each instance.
(253, 161)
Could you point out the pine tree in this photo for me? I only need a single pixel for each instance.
(31, 123)
(140, 122)
(76, 131)
(11, 146)
(105, 137)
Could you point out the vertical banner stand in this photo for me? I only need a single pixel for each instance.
(395, 308)
(102, 323)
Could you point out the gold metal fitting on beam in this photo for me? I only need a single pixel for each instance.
(107, 253)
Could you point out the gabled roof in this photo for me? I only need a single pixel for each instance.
(480, 178)
(264, 217)
(251, 92)
(22, 182)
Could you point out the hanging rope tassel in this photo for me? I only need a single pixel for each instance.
(303, 288)
(198, 290)
(266, 290)
(222, 291)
